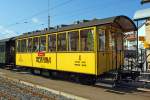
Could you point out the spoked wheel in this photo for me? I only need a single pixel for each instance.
(87, 79)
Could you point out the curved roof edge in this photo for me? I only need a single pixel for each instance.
(125, 23)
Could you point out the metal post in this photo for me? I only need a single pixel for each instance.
(137, 40)
(48, 14)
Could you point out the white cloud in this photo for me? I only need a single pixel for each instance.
(6, 33)
(35, 20)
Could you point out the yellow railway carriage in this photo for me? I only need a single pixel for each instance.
(88, 48)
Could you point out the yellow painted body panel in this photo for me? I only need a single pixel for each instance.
(71, 62)
(50, 59)
(30, 60)
(76, 62)
(101, 62)
(107, 61)
(24, 59)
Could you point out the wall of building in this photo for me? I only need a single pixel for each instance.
(142, 32)
(147, 31)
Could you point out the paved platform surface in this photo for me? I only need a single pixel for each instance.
(91, 92)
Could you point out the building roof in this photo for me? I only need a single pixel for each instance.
(145, 1)
(142, 14)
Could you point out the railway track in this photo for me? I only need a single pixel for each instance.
(10, 90)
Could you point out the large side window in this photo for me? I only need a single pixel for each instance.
(61, 40)
(23, 45)
(43, 43)
(35, 44)
(18, 45)
(101, 38)
(73, 39)
(30, 45)
(87, 40)
(52, 42)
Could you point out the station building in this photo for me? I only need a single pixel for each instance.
(144, 38)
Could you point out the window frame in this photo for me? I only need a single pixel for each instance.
(39, 40)
(94, 39)
(16, 46)
(99, 44)
(31, 44)
(33, 51)
(21, 45)
(64, 32)
(76, 30)
(48, 42)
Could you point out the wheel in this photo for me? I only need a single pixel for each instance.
(32, 71)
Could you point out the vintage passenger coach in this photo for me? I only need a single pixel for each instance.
(86, 49)
(7, 52)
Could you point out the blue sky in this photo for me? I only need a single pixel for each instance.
(19, 16)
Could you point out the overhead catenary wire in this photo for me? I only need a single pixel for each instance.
(71, 14)
(25, 21)
(47, 10)
(81, 11)
(48, 14)
(22, 21)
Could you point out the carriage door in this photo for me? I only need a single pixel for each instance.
(119, 42)
(114, 50)
(102, 67)
(117, 46)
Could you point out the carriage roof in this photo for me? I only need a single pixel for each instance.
(124, 23)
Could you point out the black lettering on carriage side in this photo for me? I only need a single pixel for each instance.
(80, 62)
(43, 59)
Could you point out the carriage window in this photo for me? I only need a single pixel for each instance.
(73, 41)
(113, 40)
(101, 37)
(87, 40)
(17, 46)
(30, 45)
(2, 48)
(61, 42)
(52, 42)
(35, 44)
(43, 43)
(23, 45)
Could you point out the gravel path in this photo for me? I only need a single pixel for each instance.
(10, 90)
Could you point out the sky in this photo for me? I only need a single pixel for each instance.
(20, 16)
